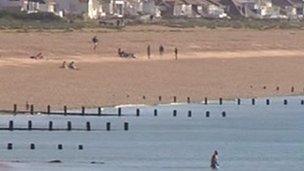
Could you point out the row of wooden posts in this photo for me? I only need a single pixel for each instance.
(99, 111)
(207, 113)
(33, 146)
(51, 128)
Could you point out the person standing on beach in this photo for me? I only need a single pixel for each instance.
(161, 50)
(214, 160)
(175, 52)
(148, 51)
(95, 42)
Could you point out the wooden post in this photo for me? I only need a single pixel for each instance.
(220, 101)
(15, 109)
(206, 100)
(29, 124)
(108, 126)
(239, 101)
(137, 112)
(48, 110)
(69, 125)
(9, 146)
(155, 112)
(126, 126)
(223, 114)
(99, 110)
(65, 110)
(32, 146)
(188, 100)
(253, 101)
(11, 125)
(189, 113)
(32, 109)
(82, 110)
(207, 114)
(50, 125)
(285, 102)
(119, 111)
(174, 99)
(88, 125)
(59, 147)
(174, 113)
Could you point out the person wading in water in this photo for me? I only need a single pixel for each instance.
(214, 160)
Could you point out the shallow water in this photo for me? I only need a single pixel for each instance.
(259, 137)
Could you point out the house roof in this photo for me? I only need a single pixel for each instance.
(193, 2)
(297, 3)
(39, 1)
(215, 2)
(282, 3)
(197, 2)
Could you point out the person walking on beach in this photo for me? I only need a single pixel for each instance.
(95, 42)
(161, 50)
(175, 52)
(214, 160)
(149, 51)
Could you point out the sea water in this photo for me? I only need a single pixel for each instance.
(250, 138)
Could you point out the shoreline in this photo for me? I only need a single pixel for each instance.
(76, 111)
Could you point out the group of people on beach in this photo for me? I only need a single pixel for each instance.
(125, 54)
(161, 51)
(121, 53)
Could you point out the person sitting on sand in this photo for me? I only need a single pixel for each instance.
(72, 65)
(64, 65)
(124, 54)
(120, 52)
(38, 56)
(214, 160)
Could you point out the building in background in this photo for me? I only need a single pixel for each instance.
(10, 5)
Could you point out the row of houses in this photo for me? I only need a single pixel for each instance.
(95, 9)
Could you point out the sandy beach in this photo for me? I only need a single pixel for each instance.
(226, 63)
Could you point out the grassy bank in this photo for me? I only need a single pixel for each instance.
(236, 23)
(45, 21)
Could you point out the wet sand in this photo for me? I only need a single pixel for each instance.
(224, 63)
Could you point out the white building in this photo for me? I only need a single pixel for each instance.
(95, 10)
(117, 8)
(34, 6)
